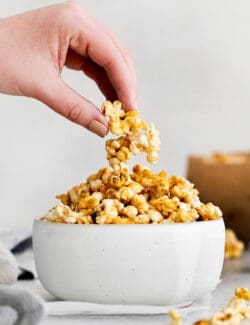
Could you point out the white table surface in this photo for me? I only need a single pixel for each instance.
(236, 273)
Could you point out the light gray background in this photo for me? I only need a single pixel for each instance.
(193, 64)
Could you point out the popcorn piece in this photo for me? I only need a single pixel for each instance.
(154, 185)
(63, 214)
(235, 311)
(113, 110)
(104, 218)
(209, 211)
(184, 190)
(129, 211)
(155, 216)
(141, 219)
(140, 202)
(125, 194)
(120, 220)
(60, 211)
(154, 144)
(111, 207)
(184, 214)
(95, 185)
(85, 219)
(118, 149)
(175, 317)
(233, 246)
(70, 220)
(237, 305)
(242, 293)
(136, 135)
(165, 205)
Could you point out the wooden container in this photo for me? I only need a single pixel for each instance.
(224, 179)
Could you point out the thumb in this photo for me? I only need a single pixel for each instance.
(65, 101)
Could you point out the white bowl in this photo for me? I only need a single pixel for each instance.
(153, 264)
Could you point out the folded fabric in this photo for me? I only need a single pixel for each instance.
(12, 238)
(8, 266)
(18, 242)
(28, 307)
(17, 305)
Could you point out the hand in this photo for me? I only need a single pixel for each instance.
(36, 45)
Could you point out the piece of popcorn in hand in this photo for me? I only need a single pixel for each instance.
(112, 110)
(137, 135)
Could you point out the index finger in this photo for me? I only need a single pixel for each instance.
(99, 47)
(102, 50)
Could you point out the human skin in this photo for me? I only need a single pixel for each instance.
(36, 45)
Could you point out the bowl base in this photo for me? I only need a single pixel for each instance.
(186, 305)
(85, 308)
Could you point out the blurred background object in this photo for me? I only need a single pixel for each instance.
(193, 65)
(224, 179)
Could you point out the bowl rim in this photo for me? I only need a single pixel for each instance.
(38, 220)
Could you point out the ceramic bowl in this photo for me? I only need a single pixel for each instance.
(157, 264)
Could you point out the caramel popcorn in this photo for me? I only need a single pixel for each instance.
(242, 293)
(233, 246)
(175, 317)
(209, 211)
(136, 135)
(235, 311)
(115, 196)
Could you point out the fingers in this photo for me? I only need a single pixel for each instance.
(98, 74)
(65, 101)
(103, 51)
(97, 44)
(93, 71)
(125, 52)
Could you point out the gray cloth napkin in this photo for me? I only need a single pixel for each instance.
(23, 306)
(11, 238)
(18, 306)
(19, 242)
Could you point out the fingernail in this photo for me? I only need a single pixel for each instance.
(98, 128)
